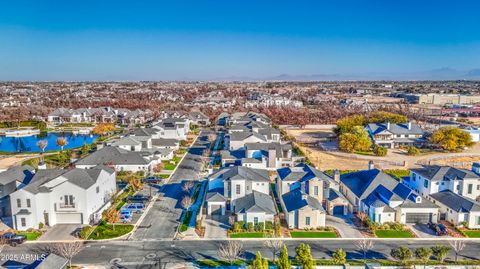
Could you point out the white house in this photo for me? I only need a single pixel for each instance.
(60, 196)
(121, 159)
(457, 209)
(255, 207)
(393, 135)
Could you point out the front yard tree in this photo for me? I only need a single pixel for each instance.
(457, 246)
(424, 255)
(451, 138)
(355, 140)
(365, 246)
(158, 168)
(275, 246)
(188, 186)
(61, 142)
(67, 250)
(283, 261)
(112, 216)
(402, 254)
(440, 252)
(187, 202)
(134, 183)
(304, 256)
(339, 256)
(230, 251)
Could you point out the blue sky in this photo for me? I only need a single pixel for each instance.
(164, 40)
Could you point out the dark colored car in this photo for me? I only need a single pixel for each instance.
(138, 198)
(13, 239)
(439, 228)
(152, 180)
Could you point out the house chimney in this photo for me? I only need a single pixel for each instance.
(272, 157)
(42, 165)
(99, 146)
(336, 176)
(371, 166)
(476, 168)
(409, 125)
(388, 125)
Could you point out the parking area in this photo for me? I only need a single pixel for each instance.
(423, 231)
(344, 225)
(61, 232)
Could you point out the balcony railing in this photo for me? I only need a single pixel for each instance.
(61, 205)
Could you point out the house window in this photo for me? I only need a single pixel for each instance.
(478, 220)
(307, 220)
(98, 189)
(470, 188)
(19, 203)
(255, 220)
(28, 202)
(478, 187)
(23, 221)
(315, 190)
(414, 176)
(68, 199)
(425, 183)
(237, 189)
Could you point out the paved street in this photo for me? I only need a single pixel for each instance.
(162, 220)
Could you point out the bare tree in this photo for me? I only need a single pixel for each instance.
(188, 185)
(187, 202)
(275, 246)
(61, 142)
(457, 246)
(67, 250)
(364, 245)
(230, 251)
(42, 144)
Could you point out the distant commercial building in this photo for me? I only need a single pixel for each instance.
(448, 99)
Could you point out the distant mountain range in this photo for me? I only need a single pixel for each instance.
(434, 74)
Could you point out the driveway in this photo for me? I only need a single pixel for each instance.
(216, 227)
(344, 226)
(60, 232)
(422, 231)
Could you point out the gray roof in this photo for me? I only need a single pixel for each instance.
(456, 202)
(439, 173)
(113, 155)
(255, 202)
(240, 136)
(127, 141)
(279, 148)
(51, 261)
(241, 172)
(401, 128)
(250, 160)
(298, 199)
(165, 142)
(301, 172)
(22, 174)
(84, 178)
(215, 196)
(144, 132)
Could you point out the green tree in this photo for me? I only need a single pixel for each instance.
(339, 256)
(384, 116)
(451, 138)
(347, 141)
(423, 254)
(346, 124)
(413, 151)
(402, 254)
(283, 262)
(355, 140)
(304, 256)
(259, 263)
(380, 151)
(440, 252)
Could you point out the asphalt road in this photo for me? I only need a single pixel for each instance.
(162, 220)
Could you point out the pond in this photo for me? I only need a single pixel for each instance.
(29, 143)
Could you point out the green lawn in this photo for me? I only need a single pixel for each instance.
(393, 234)
(106, 231)
(472, 233)
(313, 234)
(31, 236)
(169, 166)
(248, 235)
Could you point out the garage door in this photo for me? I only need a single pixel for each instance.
(338, 210)
(419, 217)
(216, 210)
(75, 218)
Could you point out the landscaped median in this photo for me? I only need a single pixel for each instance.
(105, 231)
(469, 233)
(394, 234)
(31, 236)
(251, 230)
(313, 234)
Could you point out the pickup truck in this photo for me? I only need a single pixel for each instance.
(13, 239)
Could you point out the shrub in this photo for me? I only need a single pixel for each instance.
(85, 232)
(41, 225)
(451, 138)
(250, 226)
(380, 151)
(413, 151)
(259, 227)
(268, 225)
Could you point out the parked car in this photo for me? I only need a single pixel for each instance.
(439, 228)
(152, 179)
(13, 239)
(125, 218)
(139, 198)
(125, 212)
(136, 207)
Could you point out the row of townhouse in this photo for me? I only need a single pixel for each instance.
(99, 115)
(55, 196)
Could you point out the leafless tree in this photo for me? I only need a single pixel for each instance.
(275, 246)
(230, 251)
(61, 142)
(187, 202)
(42, 144)
(188, 185)
(457, 246)
(67, 250)
(365, 245)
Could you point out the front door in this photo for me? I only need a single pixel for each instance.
(45, 216)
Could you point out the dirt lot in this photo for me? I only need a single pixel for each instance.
(12, 160)
(333, 159)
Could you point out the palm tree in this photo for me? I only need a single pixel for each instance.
(61, 142)
(42, 144)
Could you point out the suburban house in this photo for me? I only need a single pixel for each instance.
(241, 190)
(270, 155)
(302, 210)
(145, 146)
(432, 179)
(391, 135)
(237, 140)
(198, 118)
(60, 196)
(457, 209)
(172, 128)
(385, 199)
(10, 181)
(122, 160)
